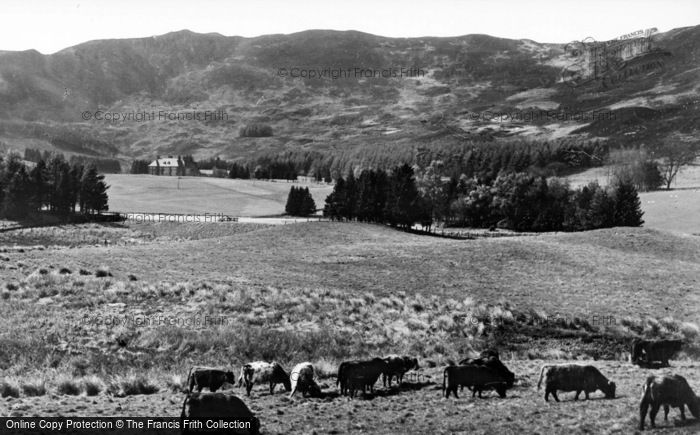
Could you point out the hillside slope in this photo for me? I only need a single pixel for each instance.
(463, 82)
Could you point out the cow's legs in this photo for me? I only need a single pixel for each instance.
(652, 413)
(577, 393)
(666, 409)
(546, 395)
(586, 391)
(554, 393)
(272, 388)
(682, 411)
(643, 407)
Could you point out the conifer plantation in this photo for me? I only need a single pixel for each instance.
(513, 200)
(54, 186)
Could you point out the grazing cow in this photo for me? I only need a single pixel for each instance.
(355, 374)
(573, 377)
(214, 406)
(478, 377)
(302, 379)
(491, 360)
(398, 366)
(668, 391)
(208, 377)
(647, 352)
(262, 372)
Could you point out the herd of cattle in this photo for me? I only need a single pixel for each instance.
(477, 374)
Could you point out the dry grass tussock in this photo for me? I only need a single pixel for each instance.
(117, 328)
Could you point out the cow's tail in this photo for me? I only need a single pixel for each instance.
(340, 373)
(647, 391)
(189, 376)
(444, 378)
(184, 404)
(539, 381)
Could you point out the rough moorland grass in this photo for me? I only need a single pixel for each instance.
(9, 388)
(170, 326)
(131, 384)
(34, 387)
(67, 385)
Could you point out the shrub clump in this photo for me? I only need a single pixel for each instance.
(34, 388)
(122, 386)
(103, 272)
(255, 130)
(92, 385)
(8, 389)
(68, 386)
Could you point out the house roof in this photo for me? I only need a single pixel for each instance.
(165, 163)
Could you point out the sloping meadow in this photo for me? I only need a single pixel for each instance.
(83, 329)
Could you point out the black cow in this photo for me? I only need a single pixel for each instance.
(478, 377)
(650, 352)
(200, 407)
(667, 391)
(211, 378)
(490, 359)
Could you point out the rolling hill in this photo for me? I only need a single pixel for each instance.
(461, 83)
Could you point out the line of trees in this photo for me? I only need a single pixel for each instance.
(378, 196)
(514, 200)
(54, 185)
(300, 202)
(103, 165)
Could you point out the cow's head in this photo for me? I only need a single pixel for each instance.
(694, 407)
(609, 390)
(314, 390)
(411, 363)
(230, 378)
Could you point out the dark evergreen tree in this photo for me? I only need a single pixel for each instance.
(93, 192)
(18, 189)
(402, 204)
(628, 208)
(335, 202)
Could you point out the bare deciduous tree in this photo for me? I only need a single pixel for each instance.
(675, 152)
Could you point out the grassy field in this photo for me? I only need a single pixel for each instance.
(676, 210)
(148, 193)
(112, 328)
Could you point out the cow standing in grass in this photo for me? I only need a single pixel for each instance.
(490, 359)
(573, 377)
(475, 376)
(355, 375)
(667, 391)
(211, 378)
(397, 366)
(649, 352)
(262, 372)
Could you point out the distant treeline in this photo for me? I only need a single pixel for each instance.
(54, 185)
(513, 200)
(103, 165)
(480, 159)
